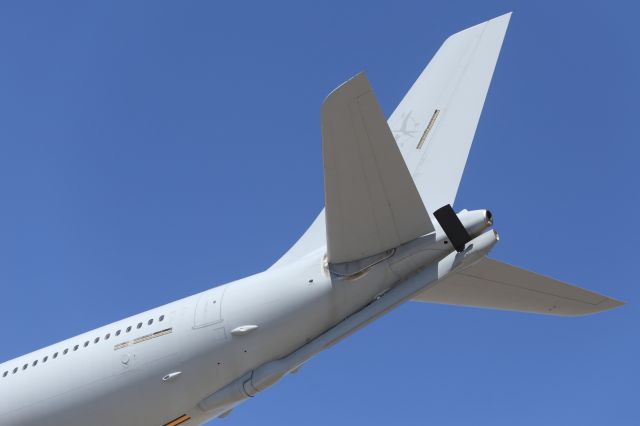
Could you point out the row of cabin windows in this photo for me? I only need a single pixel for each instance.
(76, 347)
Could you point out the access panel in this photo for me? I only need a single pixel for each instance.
(208, 310)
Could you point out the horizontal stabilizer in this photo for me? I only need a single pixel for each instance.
(493, 284)
(371, 202)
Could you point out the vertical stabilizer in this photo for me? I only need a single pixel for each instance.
(435, 123)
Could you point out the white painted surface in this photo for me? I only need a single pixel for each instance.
(497, 285)
(371, 202)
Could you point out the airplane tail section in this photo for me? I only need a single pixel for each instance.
(493, 284)
(371, 201)
(433, 127)
(385, 182)
(435, 123)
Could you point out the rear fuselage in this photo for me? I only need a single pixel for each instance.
(174, 360)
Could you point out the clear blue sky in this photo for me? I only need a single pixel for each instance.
(151, 150)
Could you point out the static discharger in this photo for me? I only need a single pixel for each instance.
(435, 115)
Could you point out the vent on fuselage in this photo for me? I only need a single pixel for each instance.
(143, 338)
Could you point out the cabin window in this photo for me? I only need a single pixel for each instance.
(65, 351)
(118, 333)
(5, 374)
(55, 355)
(24, 367)
(86, 343)
(107, 336)
(15, 370)
(96, 340)
(75, 348)
(128, 329)
(161, 318)
(35, 363)
(150, 321)
(45, 359)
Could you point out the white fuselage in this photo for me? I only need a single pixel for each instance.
(173, 360)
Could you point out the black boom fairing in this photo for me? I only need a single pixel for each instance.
(451, 225)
